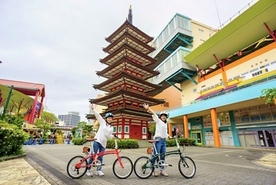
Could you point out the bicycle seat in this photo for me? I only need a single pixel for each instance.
(152, 141)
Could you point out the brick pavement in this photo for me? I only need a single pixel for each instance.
(21, 171)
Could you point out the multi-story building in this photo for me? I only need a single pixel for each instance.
(221, 80)
(71, 119)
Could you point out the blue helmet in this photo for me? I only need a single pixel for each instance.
(109, 114)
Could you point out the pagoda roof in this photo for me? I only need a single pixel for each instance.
(130, 40)
(131, 53)
(131, 113)
(124, 63)
(122, 94)
(125, 77)
(130, 28)
(121, 112)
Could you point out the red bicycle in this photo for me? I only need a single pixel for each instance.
(78, 165)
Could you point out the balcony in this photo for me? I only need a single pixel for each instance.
(174, 70)
(177, 33)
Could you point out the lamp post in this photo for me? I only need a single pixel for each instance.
(7, 103)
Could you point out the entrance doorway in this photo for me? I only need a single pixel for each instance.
(267, 138)
(197, 136)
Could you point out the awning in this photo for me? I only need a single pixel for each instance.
(15, 99)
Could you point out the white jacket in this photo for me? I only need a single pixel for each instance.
(161, 127)
(105, 130)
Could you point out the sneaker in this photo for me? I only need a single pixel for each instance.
(162, 173)
(89, 173)
(100, 173)
(155, 174)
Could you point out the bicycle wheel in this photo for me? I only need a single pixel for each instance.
(122, 171)
(187, 167)
(143, 167)
(77, 167)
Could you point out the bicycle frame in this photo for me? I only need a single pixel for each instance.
(167, 153)
(95, 156)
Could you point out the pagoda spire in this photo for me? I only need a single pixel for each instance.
(130, 15)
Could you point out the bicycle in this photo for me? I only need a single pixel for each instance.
(143, 167)
(78, 165)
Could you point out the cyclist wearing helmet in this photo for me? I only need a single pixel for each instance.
(160, 135)
(103, 134)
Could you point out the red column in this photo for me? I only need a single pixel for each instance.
(31, 120)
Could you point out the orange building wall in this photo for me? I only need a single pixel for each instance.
(170, 95)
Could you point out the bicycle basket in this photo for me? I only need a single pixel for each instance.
(85, 149)
(149, 150)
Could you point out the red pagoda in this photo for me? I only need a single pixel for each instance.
(127, 87)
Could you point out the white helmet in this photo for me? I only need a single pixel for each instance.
(164, 113)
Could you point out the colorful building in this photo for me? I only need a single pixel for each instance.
(220, 81)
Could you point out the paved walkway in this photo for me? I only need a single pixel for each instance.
(19, 172)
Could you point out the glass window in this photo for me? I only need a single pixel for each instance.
(114, 129)
(126, 129)
(120, 129)
(224, 118)
(207, 122)
(144, 130)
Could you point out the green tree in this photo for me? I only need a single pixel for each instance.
(152, 128)
(49, 117)
(269, 95)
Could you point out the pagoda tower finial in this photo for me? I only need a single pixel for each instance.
(130, 15)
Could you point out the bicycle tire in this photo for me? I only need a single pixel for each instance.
(187, 167)
(125, 171)
(143, 167)
(77, 172)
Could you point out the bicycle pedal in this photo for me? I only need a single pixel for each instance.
(103, 164)
(170, 165)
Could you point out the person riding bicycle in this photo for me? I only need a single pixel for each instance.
(104, 133)
(160, 136)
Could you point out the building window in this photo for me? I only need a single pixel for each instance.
(255, 114)
(207, 122)
(144, 130)
(126, 129)
(224, 118)
(120, 129)
(114, 129)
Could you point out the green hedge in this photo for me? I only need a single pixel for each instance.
(182, 141)
(11, 139)
(123, 143)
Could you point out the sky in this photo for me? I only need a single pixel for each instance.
(58, 43)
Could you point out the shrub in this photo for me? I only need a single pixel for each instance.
(78, 141)
(11, 139)
(123, 143)
(182, 141)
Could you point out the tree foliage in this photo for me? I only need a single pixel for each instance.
(49, 117)
(152, 128)
(269, 95)
(15, 120)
